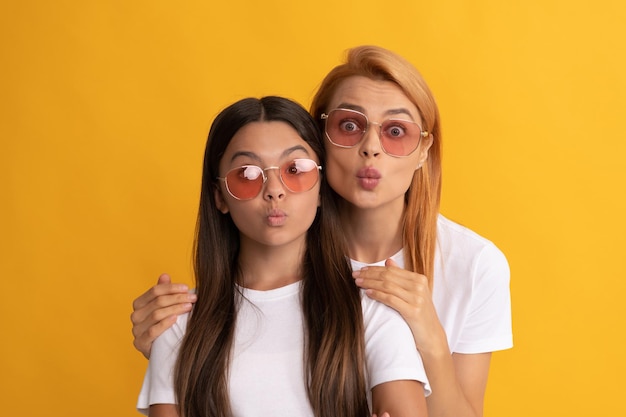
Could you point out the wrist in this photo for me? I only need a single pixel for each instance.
(437, 346)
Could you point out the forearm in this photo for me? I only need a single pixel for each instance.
(447, 398)
(458, 386)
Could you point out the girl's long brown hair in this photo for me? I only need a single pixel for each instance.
(334, 350)
(424, 193)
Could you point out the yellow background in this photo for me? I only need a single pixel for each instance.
(104, 110)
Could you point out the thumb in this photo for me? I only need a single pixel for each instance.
(164, 279)
(391, 262)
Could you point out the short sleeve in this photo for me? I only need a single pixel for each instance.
(389, 347)
(158, 383)
(488, 325)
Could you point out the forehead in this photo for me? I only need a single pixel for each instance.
(267, 141)
(375, 98)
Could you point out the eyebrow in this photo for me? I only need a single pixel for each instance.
(390, 112)
(254, 156)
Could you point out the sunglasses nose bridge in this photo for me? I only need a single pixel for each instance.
(266, 176)
(371, 139)
(269, 186)
(379, 127)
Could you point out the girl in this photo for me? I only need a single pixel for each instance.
(279, 328)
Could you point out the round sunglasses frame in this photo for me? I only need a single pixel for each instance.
(280, 175)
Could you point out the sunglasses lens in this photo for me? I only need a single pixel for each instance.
(299, 175)
(345, 127)
(245, 182)
(399, 137)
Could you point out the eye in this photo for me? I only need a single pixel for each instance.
(349, 126)
(293, 168)
(250, 172)
(300, 166)
(394, 129)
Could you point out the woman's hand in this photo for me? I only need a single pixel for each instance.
(156, 310)
(458, 381)
(408, 293)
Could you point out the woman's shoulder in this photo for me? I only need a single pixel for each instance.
(448, 229)
(471, 291)
(461, 251)
(457, 239)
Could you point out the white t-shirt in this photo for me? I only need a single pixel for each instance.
(470, 290)
(267, 367)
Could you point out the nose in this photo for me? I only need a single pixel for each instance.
(370, 144)
(274, 188)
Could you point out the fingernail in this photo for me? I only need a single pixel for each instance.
(356, 273)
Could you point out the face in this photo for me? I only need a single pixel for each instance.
(276, 216)
(365, 175)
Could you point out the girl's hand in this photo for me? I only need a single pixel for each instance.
(156, 310)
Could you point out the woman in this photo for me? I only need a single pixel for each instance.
(449, 284)
(279, 327)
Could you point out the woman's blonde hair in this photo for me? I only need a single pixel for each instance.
(423, 195)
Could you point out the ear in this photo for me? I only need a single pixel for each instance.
(220, 202)
(425, 145)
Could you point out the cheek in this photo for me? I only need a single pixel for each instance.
(310, 204)
(404, 172)
(302, 210)
(339, 170)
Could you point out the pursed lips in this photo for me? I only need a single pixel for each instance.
(368, 177)
(276, 217)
